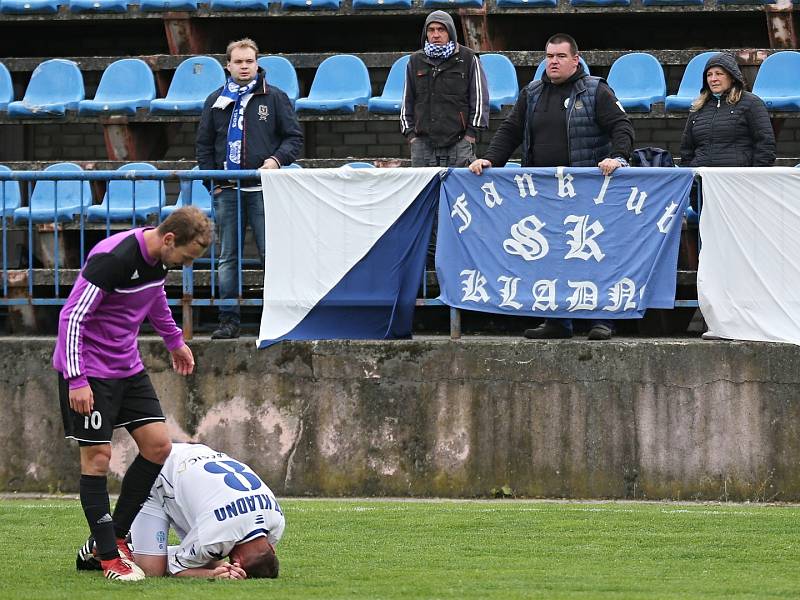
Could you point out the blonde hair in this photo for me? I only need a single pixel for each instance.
(242, 43)
(733, 96)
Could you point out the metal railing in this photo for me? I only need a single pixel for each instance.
(61, 222)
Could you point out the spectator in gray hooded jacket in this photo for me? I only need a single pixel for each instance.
(728, 126)
(445, 99)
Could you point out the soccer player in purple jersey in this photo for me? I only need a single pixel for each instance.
(102, 382)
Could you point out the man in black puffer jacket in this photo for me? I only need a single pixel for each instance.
(728, 126)
(567, 118)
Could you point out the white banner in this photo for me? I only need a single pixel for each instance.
(748, 280)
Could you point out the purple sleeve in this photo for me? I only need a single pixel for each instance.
(71, 327)
(161, 318)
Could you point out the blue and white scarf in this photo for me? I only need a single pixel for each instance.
(234, 92)
(442, 51)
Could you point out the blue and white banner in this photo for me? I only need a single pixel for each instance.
(561, 242)
(345, 251)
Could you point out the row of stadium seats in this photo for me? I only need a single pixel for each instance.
(342, 83)
(62, 202)
(121, 6)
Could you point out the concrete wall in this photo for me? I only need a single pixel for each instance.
(626, 419)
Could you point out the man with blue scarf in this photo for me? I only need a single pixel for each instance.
(247, 124)
(446, 98)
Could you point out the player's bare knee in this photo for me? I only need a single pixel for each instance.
(157, 450)
(95, 459)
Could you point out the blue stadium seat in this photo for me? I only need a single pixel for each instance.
(638, 81)
(389, 101)
(292, 166)
(201, 198)
(778, 81)
(98, 6)
(379, 4)
(358, 165)
(194, 80)
(600, 2)
(229, 5)
(9, 195)
(167, 5)
(21, 7)
(543, 65)
(126, 85)
(56, 86)
(340, 84)
(281, 74)
(524, 3)
(452, 3)
(691, 84)
(502, 79)
(121, 196)
(6, 88)
(512, 165)
(311, 4)
(56, 201)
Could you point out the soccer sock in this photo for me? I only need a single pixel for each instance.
(96, 507)
(136, 485)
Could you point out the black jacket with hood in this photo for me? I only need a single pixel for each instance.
(444, 99)
(271, 129)
(720, 134)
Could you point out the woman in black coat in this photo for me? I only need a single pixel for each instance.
(728, 126)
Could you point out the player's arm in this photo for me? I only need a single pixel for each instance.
(193, 559)
(221, 570)
(99, 277)
(161, 318)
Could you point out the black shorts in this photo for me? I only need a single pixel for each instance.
(129, 402)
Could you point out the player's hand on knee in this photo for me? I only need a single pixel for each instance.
(81, 400)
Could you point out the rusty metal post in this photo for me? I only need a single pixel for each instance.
(780, 25)
(455, 323)
(184, 35)
(475, 29)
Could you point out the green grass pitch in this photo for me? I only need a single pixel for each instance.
(450, 549)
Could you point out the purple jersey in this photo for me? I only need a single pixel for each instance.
(119, 286)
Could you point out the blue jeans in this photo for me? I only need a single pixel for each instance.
(252, 212)
(566, 324)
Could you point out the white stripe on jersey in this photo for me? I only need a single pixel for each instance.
(73, 329)
(404, 124)
(476, 121)
(141, 287)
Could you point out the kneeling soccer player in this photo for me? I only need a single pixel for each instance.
(218, 507)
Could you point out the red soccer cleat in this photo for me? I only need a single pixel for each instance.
(120, 569)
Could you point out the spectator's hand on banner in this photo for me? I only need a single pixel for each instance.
(270, 163)
(479, 165)
(608, 165)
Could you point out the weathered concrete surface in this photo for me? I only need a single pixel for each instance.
(627, 419)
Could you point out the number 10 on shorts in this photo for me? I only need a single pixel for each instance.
(95, 420)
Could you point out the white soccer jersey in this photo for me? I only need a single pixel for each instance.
(213, 502)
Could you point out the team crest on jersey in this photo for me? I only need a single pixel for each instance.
(263, 112)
